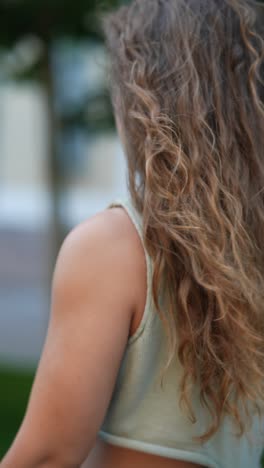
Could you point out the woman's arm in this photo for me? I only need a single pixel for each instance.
(91, 309)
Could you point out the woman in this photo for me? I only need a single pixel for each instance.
(154, 352)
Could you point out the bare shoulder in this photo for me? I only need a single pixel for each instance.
(104, 253)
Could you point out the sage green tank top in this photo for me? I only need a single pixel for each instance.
(145, 416)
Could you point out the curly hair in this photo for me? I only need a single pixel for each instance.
(187, 87)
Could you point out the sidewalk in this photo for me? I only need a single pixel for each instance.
(24, 296)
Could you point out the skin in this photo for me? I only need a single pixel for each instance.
(99, 281)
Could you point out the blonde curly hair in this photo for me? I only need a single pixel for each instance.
(187, 87)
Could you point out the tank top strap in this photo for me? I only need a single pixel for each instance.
(136, 219)
(134, 215)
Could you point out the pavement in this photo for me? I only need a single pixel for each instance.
(24, 295)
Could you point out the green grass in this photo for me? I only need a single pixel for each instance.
(15, 386)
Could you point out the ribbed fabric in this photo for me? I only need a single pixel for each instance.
(145, 416)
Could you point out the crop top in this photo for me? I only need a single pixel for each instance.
(145, 416)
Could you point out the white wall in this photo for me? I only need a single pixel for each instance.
(24, 195)
(24, 136)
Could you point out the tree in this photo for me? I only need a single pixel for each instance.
(49, 21)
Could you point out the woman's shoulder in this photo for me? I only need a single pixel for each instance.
(108, 228)
(103, 253)
(107, 235)
(94, 292)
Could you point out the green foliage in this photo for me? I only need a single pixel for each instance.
(49, 19)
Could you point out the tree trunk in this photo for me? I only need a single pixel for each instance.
(56, 231)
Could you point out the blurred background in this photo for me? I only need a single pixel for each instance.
(60, 163)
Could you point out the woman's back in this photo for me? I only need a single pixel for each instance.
(144, 414)
(188, 95)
